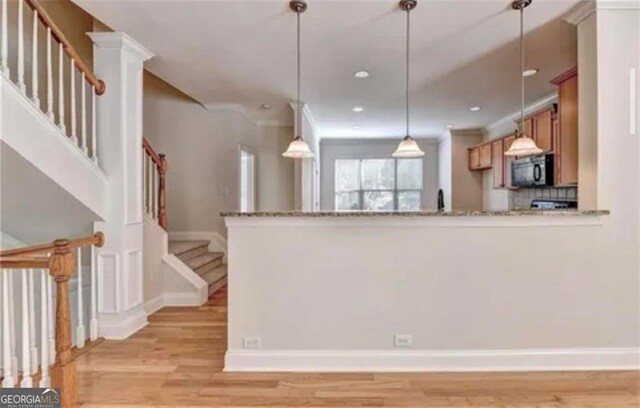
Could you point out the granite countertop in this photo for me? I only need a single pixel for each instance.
(427, 213)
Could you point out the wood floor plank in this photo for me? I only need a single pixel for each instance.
(177, 361)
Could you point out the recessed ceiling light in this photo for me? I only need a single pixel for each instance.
(265, 106)
(475, 108)
(358, 109)
(530, 72)
(361, 74)
(450, 126)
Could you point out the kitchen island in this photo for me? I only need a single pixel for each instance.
(369, 291)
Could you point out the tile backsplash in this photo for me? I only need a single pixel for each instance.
(522, 198)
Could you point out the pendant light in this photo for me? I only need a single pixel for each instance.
(523, 145)
(408, 147)
(298, 149)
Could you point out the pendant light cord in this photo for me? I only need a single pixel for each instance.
(298, 110)
(407, 79)
(522, 70)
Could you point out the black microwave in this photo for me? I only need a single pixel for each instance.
(532, 171)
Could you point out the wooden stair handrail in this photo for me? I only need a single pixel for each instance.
(24, 262)
(160, 161)
(96, 239)
(98, 84)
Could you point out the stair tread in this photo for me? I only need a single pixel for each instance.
(214, 276)
(180, 247)
(201, 260)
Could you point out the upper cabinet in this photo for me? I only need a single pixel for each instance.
(566, 149)
(554, 129)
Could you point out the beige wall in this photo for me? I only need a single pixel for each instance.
(202, 150)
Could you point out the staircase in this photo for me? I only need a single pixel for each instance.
(208, 265)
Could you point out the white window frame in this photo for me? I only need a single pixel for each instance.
(361, 192)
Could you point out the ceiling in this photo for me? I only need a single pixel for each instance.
(241, 53)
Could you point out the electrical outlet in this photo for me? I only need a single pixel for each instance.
(403, 340)
(252, 342)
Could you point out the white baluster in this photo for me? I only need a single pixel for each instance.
(21, 84)
(44, 331)
(93, 326)
(49, 77)
(80, 336)
(83, 119)
(147, 190)
(26, 382)
(94, 139)
(12, 331)
(51, 322)
(61, 88)
(9, 380)
(33, 343)
(34, 62)
(72, 78)
(4, 48)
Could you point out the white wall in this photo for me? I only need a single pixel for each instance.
(202, 152)
(331, 149)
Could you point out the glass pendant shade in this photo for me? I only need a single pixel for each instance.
(523, 146)
(408, 148)
(298, 149)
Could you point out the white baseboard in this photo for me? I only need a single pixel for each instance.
(218, 243)
(183, 299)
(119, 327)
(434, 361)
(153, 305)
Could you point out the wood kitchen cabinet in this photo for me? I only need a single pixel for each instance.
(480, 157)
(497, 153)
(566, 149)
(543, 134)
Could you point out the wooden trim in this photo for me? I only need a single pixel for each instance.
(98, 84)
(150, 151)
(96, 239)
(564, 76)
(24, 262)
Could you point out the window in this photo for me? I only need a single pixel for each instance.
(378, 184)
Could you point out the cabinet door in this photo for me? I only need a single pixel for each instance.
(497, 150)
(507, 159)
(485, 156)
(529, 128)
(544, 130)
(568, 138)
(474, 158)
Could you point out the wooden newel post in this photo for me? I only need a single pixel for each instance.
(162, 192)
(64, 372)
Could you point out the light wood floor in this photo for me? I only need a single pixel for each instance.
(177, 361)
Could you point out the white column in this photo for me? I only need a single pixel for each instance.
(80, 334)
(34, 61)
(33, 341)
(44, 330)
(21, 83)
(12, 324)
(7, 361)
(4, 47)
(93, 325)
(118, 61)
(26, 382)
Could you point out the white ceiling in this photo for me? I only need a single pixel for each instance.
(242, 53)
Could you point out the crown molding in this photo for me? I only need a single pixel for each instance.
(581, 11)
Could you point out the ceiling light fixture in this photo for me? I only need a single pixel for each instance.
(298, 149)
(523, 145)
(265, 106)
(361, 74)
(358, 109)
(408, 147)
(475, 108)
(530, 72)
